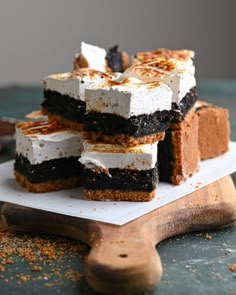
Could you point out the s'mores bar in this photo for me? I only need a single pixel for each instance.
(47, 156)
(178, 153)
(128, 112)
(114, 172)
(64, 95)
(173, 67)
(97, 58)
(214, 130)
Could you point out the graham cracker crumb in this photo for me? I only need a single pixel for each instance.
(232, 267)
(123, 139)
(63, 121)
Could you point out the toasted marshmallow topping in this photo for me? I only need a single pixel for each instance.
(74, 83)
(44, 141)
(36, 116)
(183, 56)
(91, 56)
(127, 98)
(106, 156)
(175, 74)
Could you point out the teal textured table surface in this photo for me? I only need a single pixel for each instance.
(195, 263)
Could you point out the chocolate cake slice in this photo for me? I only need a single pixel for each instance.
(117, 173)
(47, 156)
(214, 130)
(129, 112)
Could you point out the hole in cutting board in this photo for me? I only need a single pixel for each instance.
(123, 255)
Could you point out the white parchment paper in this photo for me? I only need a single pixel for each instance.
(71, 202)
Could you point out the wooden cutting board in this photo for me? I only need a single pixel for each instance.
(123, 259)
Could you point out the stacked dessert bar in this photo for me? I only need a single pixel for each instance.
(118, 129)
(178, 153)
(124, 121)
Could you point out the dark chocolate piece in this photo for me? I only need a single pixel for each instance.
(135, 126)
(166, 157)
(179, 111)
(121, 180)
(49, 170)
(64, 106)
(114, 59)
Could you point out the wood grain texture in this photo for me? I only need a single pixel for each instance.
(123, 259)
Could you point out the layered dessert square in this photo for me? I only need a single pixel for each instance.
(214, 130)
(128, 112)
(97, 58)
(47, 156)
(178, 153)
(114, 172)
(64, 95)
(173, 67)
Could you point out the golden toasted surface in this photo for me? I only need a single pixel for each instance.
(40, 128)
(180, 55)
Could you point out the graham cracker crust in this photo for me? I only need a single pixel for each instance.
(123, 139)
(67, 123)
(110, 195)
(49, 186)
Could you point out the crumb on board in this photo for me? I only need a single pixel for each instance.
(208, 237)
(46, 258)
(232, 267)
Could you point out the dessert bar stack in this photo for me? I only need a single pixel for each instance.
(178, 153)
(124, 121)
(118, 128)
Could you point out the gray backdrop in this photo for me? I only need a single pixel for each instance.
(41, 37)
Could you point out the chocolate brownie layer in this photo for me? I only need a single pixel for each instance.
(135, 126)
(114, 60)
(62, 168)
(166, 157)
(180, 110)
(121, 180)
(64, 106)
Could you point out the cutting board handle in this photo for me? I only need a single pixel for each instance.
(123, 259)
(129, 262)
